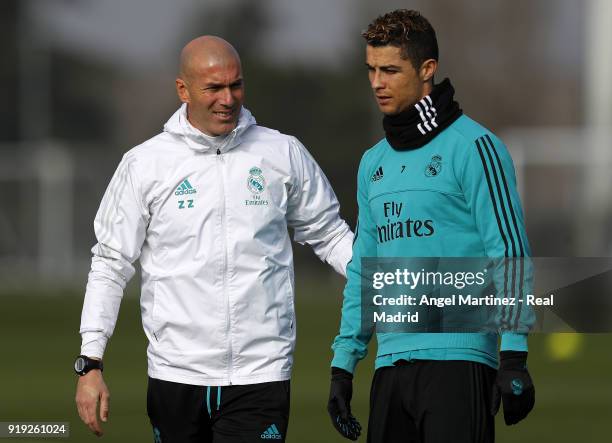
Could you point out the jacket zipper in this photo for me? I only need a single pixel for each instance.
(225, 294)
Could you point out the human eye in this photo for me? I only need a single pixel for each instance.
(390, 70)
(212, 88)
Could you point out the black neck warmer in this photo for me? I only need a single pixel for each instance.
(419, 124)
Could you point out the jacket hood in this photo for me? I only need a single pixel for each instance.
(179, 125)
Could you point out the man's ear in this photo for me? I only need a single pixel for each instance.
(428, 69)
(181, 90)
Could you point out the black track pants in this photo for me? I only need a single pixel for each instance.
(427, 401)
(181, 413)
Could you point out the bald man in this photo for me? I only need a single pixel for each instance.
(205, 207)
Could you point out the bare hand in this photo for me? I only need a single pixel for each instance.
(90, 389)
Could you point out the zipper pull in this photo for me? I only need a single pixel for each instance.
(218, 151)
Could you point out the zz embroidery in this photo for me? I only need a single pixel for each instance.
(181, 204)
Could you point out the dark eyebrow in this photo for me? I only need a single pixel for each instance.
(385, 67)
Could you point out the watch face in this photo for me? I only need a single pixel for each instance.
(79, 364)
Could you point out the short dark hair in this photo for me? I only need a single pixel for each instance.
(408, 30)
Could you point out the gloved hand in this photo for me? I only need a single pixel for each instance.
(339, 404)
(513, 386)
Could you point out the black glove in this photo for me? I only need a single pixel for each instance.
(513, 386)
(339, 404)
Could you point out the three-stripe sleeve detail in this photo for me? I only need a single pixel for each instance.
(518, 233)
(508, 198)
(505, 216)
(493, 200)
(115, 191)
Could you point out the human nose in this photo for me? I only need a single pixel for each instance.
(376, 80)
(226, 97)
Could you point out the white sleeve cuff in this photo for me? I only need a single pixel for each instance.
(341, 254)
(93, 344)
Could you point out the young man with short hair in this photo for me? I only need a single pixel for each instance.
(452, 184)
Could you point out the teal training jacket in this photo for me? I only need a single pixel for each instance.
(454, 197)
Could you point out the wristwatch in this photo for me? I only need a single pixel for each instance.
(84, 364)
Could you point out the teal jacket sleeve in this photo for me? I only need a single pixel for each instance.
(351, 344)
(489, 185)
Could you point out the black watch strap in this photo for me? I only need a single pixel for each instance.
(84, 364)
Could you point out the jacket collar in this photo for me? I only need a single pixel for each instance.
(179, 125)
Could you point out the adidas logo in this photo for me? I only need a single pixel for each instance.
(271, 434)
(185, 188)
(378, 175)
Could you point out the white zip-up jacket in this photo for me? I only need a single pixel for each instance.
(209, 220)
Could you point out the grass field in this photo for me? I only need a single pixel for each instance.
(39, 340)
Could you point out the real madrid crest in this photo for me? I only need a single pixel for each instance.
(434, 167)
(256, 182)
